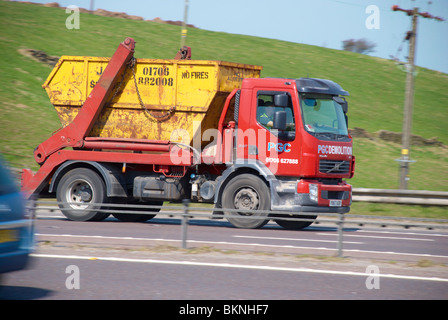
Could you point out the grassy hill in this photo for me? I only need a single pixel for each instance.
(376, 85)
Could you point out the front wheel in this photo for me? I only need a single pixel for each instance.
(80, 194)
(295, 225)
(247, 192)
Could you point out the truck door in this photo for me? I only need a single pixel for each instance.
(277, 147)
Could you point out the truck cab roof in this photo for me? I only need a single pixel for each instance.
(306, 85)
(324, 86)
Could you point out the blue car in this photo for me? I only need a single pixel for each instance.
(16, 225)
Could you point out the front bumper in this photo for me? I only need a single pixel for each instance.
(12, 261)
(15, 250)
(296, 196)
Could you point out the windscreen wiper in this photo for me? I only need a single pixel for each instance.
(330, 135)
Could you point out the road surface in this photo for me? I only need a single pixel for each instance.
(115, 260)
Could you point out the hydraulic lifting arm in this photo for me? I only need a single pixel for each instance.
(74, 134)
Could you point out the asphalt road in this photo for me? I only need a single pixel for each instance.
(115, 260)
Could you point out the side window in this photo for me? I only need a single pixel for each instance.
(266, 110)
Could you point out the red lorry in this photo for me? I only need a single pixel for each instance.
(261, 144)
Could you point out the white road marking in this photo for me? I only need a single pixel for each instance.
(375, 237)
(239, 266)
(406, 233)
(246, 244)
(397, 253)
(177, 240)
(294, 239)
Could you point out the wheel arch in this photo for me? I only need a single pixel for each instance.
(115, 186)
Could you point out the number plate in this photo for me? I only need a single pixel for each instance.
(335, 203)
(8, 235)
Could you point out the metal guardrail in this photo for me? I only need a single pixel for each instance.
(410, 197)
(185, 212)
(418, 197)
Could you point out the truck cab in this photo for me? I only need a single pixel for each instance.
(292, 135)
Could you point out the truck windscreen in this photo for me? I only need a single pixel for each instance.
(323, 117)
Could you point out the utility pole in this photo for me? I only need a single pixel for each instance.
(405, 159)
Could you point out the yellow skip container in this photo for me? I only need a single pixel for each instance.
(153, 99)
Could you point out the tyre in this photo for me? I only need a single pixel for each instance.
(135, 217)
(80, 194)
(248, 192)
(294, 225)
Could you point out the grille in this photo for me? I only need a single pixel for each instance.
(334, 166)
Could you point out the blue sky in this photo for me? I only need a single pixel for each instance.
(317, 22)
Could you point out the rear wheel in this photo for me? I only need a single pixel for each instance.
(247, 192)
(80, 194)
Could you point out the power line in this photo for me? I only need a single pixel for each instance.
(360, 5)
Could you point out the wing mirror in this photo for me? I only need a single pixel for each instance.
(342, 102)
(281, 100)
(280, 120)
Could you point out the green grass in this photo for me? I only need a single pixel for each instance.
(398, 210)
(376, 166)
(376, 85)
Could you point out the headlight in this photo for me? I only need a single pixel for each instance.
(314, 192)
